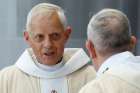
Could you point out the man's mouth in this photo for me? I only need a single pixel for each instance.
(49, 53)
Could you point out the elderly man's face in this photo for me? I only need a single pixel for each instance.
(47, 38)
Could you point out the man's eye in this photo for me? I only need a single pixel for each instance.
(38, 38)
(55, 36)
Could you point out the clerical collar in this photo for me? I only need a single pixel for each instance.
(46, 67)
(50, 68)
(114, 60)
(73, 58)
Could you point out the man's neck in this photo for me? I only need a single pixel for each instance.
(101, 59)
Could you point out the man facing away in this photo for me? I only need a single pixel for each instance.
(47, 67)
(110, 44)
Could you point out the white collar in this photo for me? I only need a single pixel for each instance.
(114, 60)
(50, 68)
(75, 58)
(45, 67)
(124, 65)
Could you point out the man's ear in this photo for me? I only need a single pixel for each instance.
(133, 42)
(68, 32)
(91, 49)
(26, 36)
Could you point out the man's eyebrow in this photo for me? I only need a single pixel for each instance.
(34, 33)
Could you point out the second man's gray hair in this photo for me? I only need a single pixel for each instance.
(109, 30)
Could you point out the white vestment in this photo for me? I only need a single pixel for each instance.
(27, 76)
(120, 73)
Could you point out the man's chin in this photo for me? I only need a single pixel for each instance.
(49, 62)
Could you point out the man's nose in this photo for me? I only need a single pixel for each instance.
(48, 43)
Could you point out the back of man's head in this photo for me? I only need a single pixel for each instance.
(109, 31)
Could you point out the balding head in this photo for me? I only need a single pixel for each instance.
(46, 9)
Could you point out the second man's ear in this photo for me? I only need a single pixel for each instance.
(91, 49)
(133, 42)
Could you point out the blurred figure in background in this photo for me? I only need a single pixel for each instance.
(47, 67)
(110, 44)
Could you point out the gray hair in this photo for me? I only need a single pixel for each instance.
(109, 30)
(48, 9)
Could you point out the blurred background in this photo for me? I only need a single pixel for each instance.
(13, 18)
